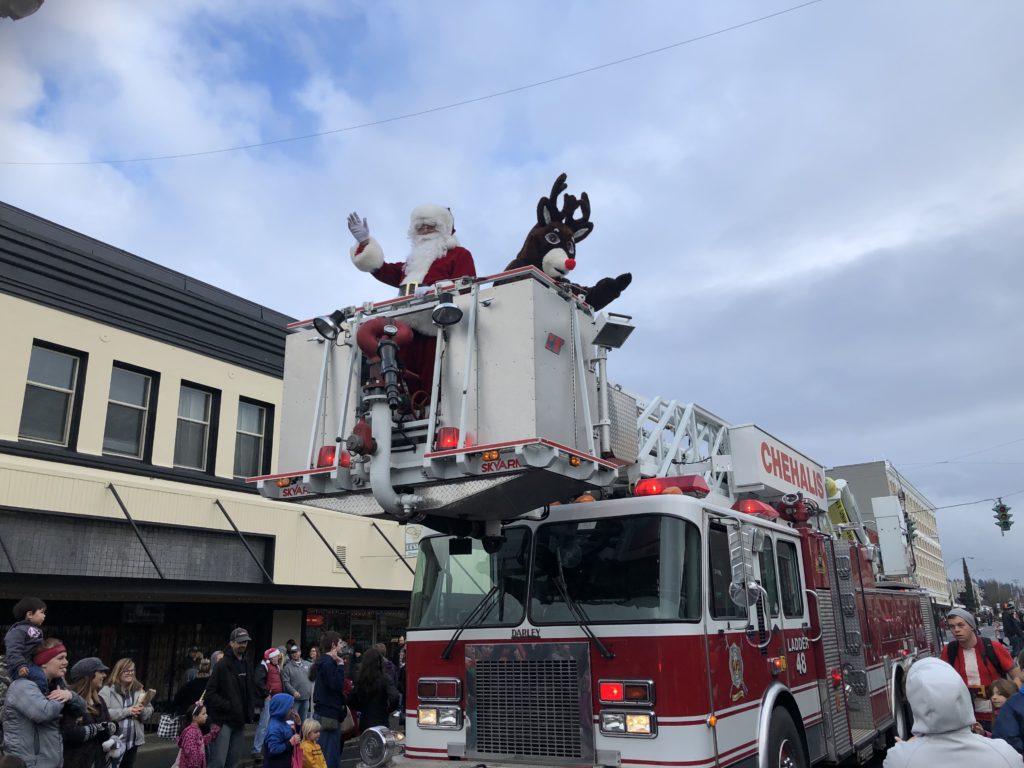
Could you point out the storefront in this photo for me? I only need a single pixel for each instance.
(361, 627)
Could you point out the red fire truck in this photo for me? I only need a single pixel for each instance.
(617, 580)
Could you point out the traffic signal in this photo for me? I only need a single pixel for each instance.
(1002, 515)
(911, 528)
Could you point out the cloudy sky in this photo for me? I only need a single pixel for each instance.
(822, 210)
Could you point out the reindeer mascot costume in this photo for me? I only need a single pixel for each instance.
(435, 255)
(550, 246)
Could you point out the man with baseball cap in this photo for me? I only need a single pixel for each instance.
(229, 699)
(295, 679)
(979, 662)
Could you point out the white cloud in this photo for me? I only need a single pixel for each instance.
(836, 158)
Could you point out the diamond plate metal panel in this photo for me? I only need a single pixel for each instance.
(929, 623)
(837, 724)
(625, 437)
(530, 701)
(851, 646)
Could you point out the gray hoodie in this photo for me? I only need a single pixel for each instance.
(943, 716)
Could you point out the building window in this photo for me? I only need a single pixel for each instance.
(52, 396)
(128, 409)
(192, 443)
(250, 439)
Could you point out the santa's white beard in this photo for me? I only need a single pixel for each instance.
(426, 249)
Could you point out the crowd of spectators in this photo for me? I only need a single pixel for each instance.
(91, 715)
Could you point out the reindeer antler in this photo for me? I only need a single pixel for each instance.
(548, 210)
(581, 227)
(547, 207)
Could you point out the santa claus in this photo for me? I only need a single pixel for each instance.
(435, 253)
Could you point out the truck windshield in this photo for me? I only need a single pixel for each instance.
(447, 588)
(625, 569)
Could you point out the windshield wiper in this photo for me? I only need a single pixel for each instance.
(582, 620)
(447, 652)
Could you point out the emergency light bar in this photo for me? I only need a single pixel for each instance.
(755, 507)
(691, 485)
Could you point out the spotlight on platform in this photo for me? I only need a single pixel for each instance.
(445, 313)
(329, 326)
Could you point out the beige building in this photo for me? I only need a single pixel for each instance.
(880, 478)
(133, 402)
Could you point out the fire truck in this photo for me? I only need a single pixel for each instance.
(616, 579)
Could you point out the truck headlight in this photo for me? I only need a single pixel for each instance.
(426, 716)
(641, 724)
(439, 717)
(613, 722)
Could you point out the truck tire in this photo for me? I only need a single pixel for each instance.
(785, 747)
(903, 716)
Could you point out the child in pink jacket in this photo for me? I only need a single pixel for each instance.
(191, 741)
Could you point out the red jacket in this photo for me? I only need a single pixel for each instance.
(456, 263)
(274, 684)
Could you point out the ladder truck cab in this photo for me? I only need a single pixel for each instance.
(617, 580)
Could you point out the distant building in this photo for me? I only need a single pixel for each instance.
(879, 478)
(134, 401)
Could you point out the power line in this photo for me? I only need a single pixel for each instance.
(954, 459)
(422, 112)
(978, 501)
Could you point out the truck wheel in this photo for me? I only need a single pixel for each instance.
(903, 716)
(785, 747)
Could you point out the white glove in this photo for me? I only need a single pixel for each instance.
(358, 227)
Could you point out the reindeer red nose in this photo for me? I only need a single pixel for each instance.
(570, 264)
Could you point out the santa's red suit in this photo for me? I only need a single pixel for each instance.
(435, 256)
(456, 262)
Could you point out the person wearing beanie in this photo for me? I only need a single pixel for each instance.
(978, 661)
(87, 737)
(435, 254)
(267, 680)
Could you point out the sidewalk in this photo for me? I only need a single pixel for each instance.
(160, 753)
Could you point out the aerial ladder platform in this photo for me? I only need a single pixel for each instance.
(519, 412)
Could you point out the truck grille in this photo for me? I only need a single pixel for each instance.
(528, 708)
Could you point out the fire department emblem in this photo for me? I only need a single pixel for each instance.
(739, 688)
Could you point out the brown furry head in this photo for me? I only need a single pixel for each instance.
(550, 245)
